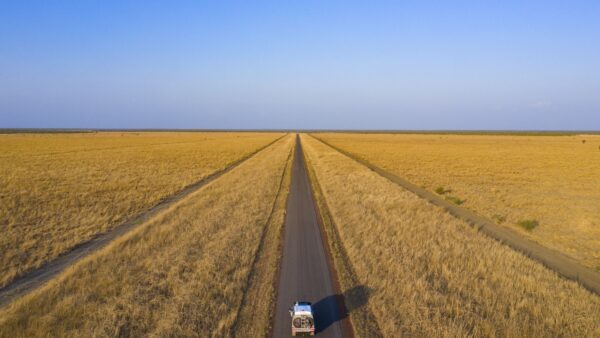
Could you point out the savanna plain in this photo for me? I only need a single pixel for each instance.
(430, 274)
(544, 186)
(190, 271)
(207, 265)
(59, 190)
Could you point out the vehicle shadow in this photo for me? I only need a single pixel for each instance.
(336, 307)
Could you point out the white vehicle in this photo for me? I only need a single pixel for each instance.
(303, 322)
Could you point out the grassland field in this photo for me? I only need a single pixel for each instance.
(545, 187)
(206, 266)
(58, 190)
(431, 274)
(184, 273)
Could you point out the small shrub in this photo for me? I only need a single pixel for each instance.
(455, 200)
(499, 218)
(442, 190)
(583, 141)
(528, 224)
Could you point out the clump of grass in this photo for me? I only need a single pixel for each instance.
(499, 218)
(528, 224)
(455, 200)
(441, 190)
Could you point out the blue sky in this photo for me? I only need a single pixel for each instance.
(300, 64)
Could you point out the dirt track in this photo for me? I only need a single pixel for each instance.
(554, 260)
(305, 268)
(35, 278)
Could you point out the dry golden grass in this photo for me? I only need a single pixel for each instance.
(183, 273)
(434, 275)
(355, 294)
(258, 305)
(58, 190)
(514, 180)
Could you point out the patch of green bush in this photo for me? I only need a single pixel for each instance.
(528, 224)
(441, 190)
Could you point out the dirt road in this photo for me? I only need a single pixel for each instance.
(35, 278)
(304, 273)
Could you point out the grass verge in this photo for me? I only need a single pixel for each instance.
(363, 322)
(258, 305)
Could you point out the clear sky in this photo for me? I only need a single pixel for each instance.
(300, 64)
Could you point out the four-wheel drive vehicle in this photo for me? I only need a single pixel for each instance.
(303, 322)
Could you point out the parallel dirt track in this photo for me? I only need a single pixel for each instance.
(305, 267)
(35, 278)
(556, 261)
(235, 329)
